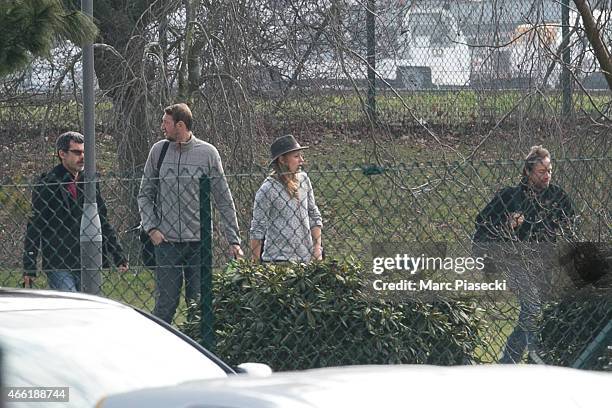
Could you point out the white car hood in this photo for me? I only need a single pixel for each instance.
(387, 386)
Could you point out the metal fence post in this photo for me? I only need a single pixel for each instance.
(371, 59)
(206, 295)
(601, 341)
(91, 229)
(566, 84)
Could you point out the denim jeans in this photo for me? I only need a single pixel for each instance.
(175, 261)
(526, 272)
(64, 280)
(524, 335)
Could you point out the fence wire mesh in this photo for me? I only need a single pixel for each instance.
(408, 206)
(438, 66)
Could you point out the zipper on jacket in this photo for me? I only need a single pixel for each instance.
(178, 192)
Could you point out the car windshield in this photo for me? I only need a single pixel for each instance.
(95, 352)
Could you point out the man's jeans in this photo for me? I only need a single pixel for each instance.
(525, 267)
(64, 280)
(524, 335)
(175, 261)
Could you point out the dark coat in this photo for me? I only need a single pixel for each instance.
(55, 224)
(548, 214)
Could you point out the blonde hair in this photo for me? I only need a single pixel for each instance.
(290, 180)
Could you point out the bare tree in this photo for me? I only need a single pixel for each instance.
(595, 38)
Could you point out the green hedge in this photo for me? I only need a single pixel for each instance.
(572, 324)
(316, 315)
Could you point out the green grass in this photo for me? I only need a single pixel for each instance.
(501, 316)
(444, 107)
(434, 107)
(60, 113)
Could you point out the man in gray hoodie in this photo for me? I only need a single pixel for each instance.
(169, 208)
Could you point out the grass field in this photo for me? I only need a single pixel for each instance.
(452, 108)
(433, 107)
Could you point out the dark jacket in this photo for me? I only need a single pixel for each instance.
(55, 224)
(548, 214)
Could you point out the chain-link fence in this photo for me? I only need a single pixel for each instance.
(257, 68)
(402, 209)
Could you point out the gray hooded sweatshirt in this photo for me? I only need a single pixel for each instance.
(171, 203)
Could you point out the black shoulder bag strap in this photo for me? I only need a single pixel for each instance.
(162, 155)
(148, 250)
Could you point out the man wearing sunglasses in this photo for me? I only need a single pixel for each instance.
(55, 223)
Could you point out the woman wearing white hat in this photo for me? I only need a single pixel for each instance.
(286, 224)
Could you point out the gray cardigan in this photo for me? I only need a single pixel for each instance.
(175, 211)
(284, 222)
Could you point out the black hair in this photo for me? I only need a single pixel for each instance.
(63, 141)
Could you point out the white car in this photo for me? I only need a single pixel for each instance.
(91, 347)
(499, 386)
